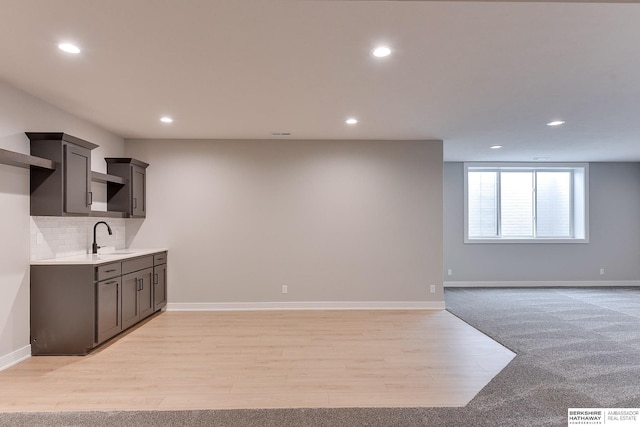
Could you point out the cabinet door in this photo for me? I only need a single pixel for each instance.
(145, 294)
(108, 303)
(138, 186)
(77, 179)
(159, 286)
(130, 305)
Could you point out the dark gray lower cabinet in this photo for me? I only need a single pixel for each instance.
(159, 280)
(63, 309)
(108, 309)
(159, 286)
(75, 308)
(137, 297)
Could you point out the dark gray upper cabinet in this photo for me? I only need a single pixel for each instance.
(77, 169)
(67, 189)
(131, 197)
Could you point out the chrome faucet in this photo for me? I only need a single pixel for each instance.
(95, 245)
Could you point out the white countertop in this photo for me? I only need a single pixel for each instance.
(101, 258)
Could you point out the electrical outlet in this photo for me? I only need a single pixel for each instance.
(285, 289)
(432, 289)
(39, 238)
(602, 271)
(449, 272)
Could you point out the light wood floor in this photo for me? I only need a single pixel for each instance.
(269, 359)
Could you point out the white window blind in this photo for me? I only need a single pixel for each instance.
(483, 204)
(516, 199)
(526, 203)
(553, 203)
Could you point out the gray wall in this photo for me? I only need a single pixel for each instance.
(341, 221)
(614, 224)
(20, 112)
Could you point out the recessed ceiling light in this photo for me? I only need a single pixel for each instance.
(556, 123)
(166, 119)
(69, 48)
(381, 52)
(351, 121)
(496, 147)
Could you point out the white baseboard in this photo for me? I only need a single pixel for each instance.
(542, 284)
(15, 357)
(322, 305)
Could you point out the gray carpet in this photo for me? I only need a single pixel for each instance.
(577, 347)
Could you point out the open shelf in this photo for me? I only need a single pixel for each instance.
(104, 178)
(26, 161)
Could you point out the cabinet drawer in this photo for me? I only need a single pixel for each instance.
(160, 258)
(108, 271)
(136, 264)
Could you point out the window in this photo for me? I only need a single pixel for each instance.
(520, 202)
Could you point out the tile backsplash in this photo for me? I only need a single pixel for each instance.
(56, 237)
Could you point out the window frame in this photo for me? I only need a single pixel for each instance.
(581, 199)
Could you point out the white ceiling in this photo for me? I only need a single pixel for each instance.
(470, 73)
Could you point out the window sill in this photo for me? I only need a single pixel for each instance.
(534, 241)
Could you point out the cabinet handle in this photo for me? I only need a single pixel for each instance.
(155, 279)
(135, 203)
(110, 271)
(89, 198)
(111, 282)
